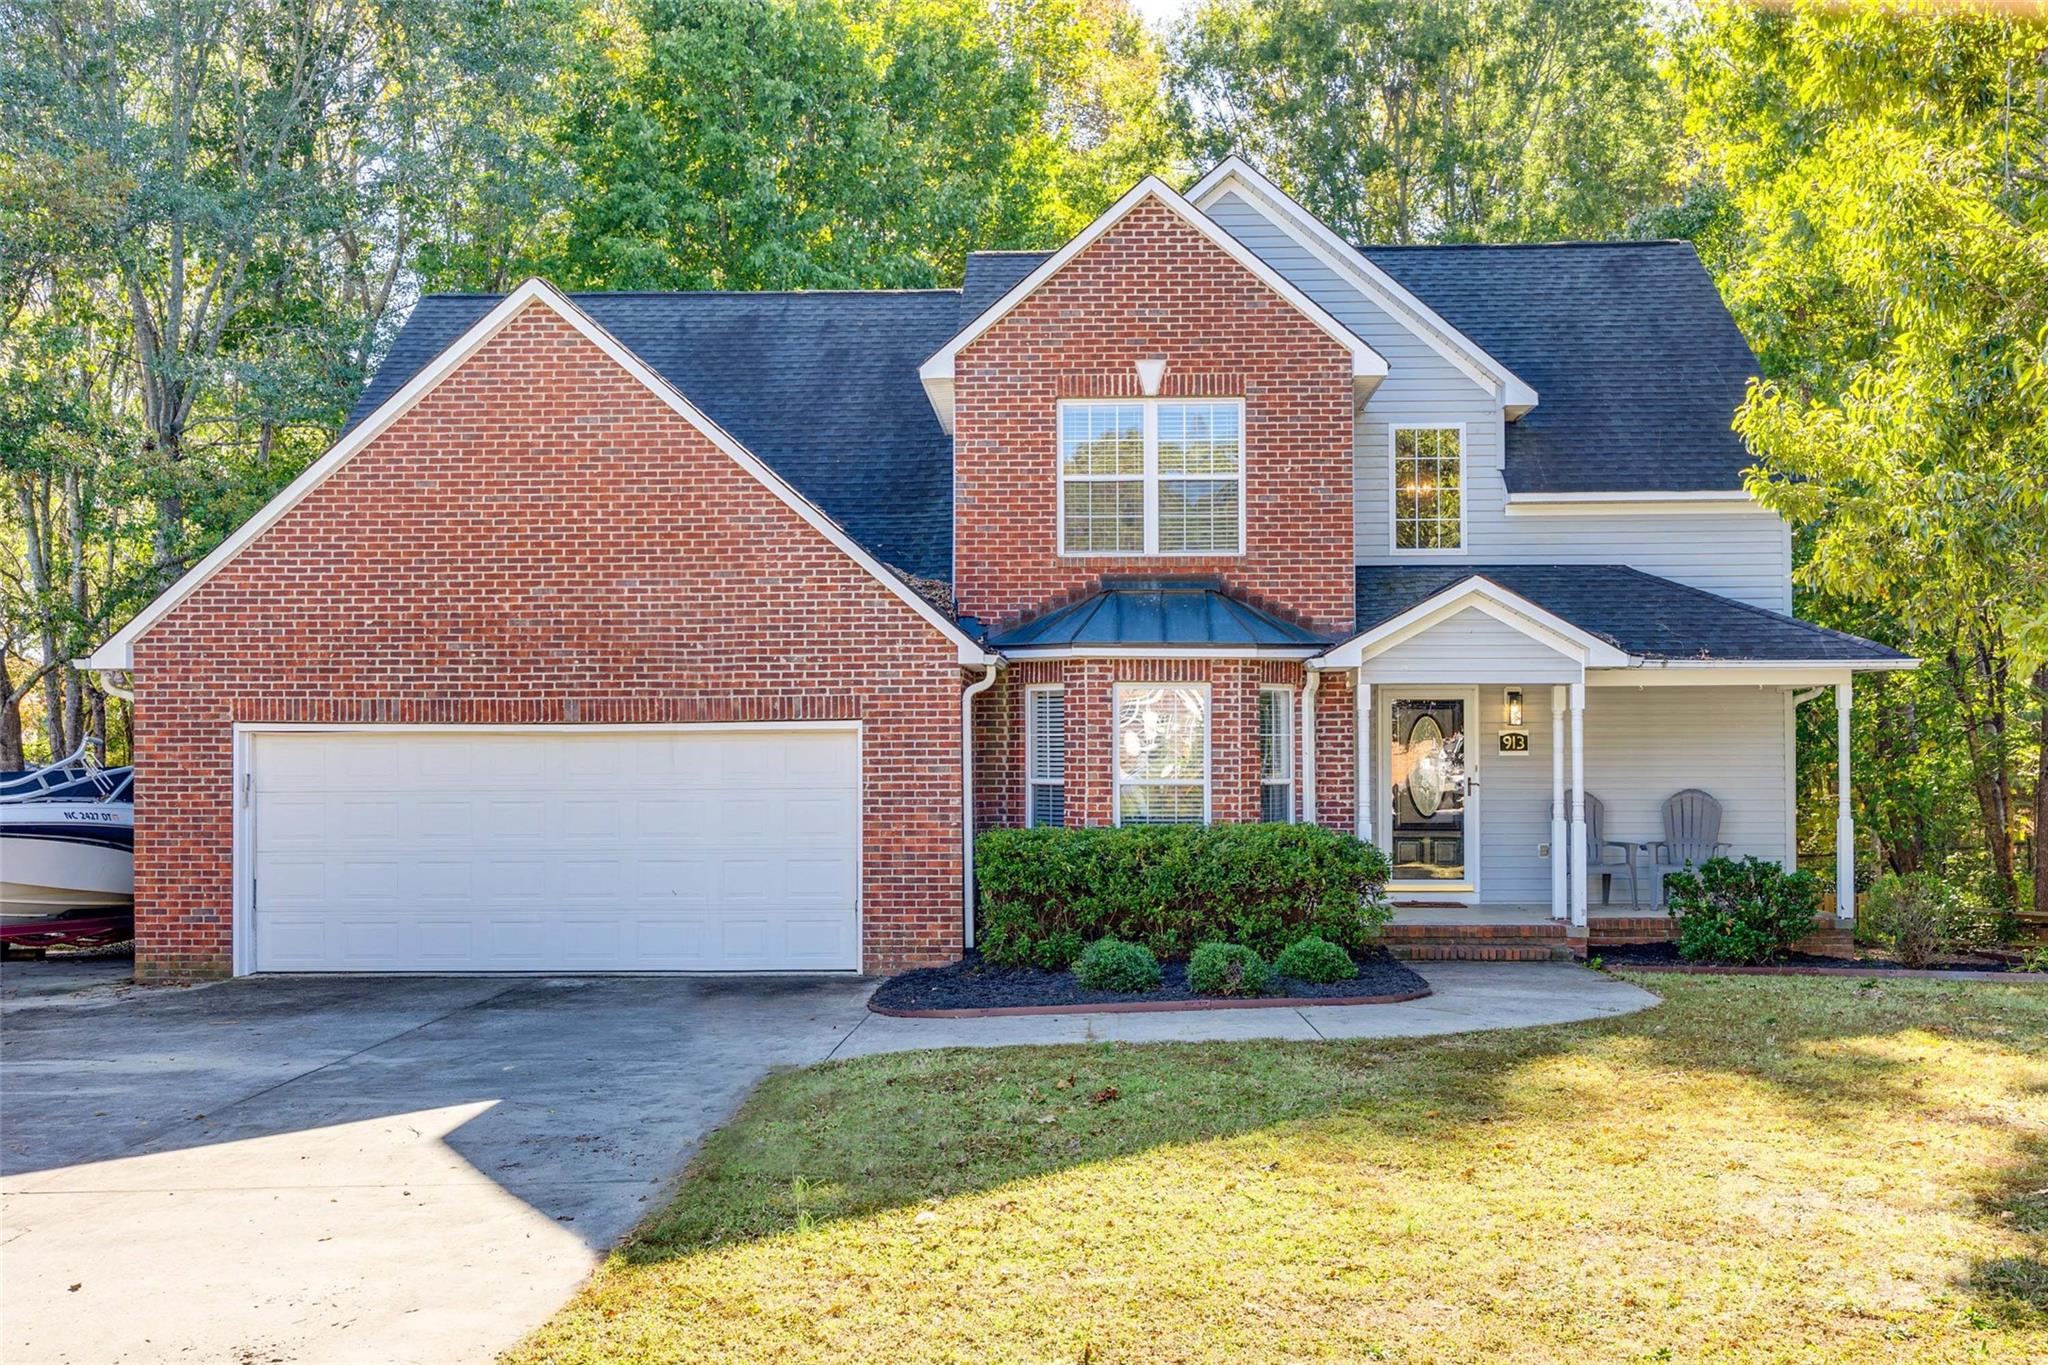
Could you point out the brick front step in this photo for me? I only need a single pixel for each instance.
(1513, 933)
(1482, 950)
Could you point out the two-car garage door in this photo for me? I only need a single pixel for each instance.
(509, 850)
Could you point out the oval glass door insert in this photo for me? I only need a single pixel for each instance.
(1426, 777)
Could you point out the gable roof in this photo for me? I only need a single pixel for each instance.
(1640, 365)
(1642, 615)
(118, 652)
(937, 371)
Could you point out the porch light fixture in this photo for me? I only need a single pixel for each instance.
(1514, 706)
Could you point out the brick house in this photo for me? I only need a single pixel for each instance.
(700, 631)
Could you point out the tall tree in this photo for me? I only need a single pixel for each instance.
(1407, 120)
(1882, 179)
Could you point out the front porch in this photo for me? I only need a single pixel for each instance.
(1424, 931)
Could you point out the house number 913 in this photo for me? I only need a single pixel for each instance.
(1514, 742)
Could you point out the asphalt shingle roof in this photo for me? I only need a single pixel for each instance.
(1158, 613)
(1645, 615)
(821, 386)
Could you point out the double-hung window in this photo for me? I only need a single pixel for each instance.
(1162, 753)
(1152, 477)
(1428, 489)
(1045, 756)
(1276, 754)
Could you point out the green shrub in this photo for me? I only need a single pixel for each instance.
(1315, 959)
(1110, 964)
(1056, 952)
(1173, 886)
(1740, 912)
(1920, 917)
(1228, 969)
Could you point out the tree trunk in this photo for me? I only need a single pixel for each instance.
(12, 759)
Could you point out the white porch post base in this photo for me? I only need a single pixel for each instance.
(1578, 886)
(1845, 824)
(1560, 855)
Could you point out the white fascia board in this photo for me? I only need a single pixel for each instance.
(1316, 237)
(1480, 594)
(1630, 504)
(1025, 653)
(119, 651)
(1742, 672)
(1366, 363)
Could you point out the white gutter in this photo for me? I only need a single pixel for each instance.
(967, 696)
(1309, 685)
(106, 676)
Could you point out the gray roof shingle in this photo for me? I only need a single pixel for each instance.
(1158, 612)
(1640, 613)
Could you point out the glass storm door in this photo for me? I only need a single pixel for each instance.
(1430, 788)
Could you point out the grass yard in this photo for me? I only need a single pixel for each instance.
(1761, 1169)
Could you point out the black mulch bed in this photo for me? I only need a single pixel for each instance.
(1666, 955)
(971, 984)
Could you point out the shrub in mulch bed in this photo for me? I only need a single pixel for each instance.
(975, 984)
(1669, 955)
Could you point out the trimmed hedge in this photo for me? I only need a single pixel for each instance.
(1316, 960)
(1171, 887)
(1110, 964)
(1740, 912)
(1228, 969)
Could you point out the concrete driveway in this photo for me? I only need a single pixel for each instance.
(354, 1169)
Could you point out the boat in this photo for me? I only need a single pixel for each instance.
(67, 851)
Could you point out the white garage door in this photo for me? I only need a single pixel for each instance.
(557, 851)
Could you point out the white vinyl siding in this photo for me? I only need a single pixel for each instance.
(1045, 749)
(1153, 477)
(1276, 754)
(1743, 555)
(1162, 753)
(1470, 647)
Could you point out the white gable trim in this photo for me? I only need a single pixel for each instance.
(937, 371)
(1347, 260)
(119, 651)
(1483, 595)
(1629, 504)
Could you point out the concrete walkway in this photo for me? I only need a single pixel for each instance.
(1468, 996)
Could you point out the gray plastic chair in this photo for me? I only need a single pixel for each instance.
(1692, 834)
(1597, 846)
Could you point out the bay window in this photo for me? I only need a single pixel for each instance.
(1276, 754)
(1045, 756)
(1152, 477)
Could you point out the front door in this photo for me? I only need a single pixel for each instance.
(1431, 793)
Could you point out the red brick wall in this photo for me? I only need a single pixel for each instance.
(1233, 737)
(1152, 286)
(542, 540)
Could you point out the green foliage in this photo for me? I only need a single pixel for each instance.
(1056, 952)
(1406, 120)
(1921, 917)
(1315, 959)
(1110, 964)
(1228, 969)
(1740, 912)
(1173, 886)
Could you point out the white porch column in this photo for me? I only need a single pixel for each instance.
(1560, 854)
(1845, 823)
(1578, 837)
(1309, 685)
(1361, 691)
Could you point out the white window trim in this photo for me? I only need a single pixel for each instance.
(1031, 747)
(1464, 549)
(1150, 477)
(1117, 781)
(1287, 780)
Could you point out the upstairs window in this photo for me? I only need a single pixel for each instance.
(1276, 755)
(1429, 489)
(1045, 756)
(1152, 478)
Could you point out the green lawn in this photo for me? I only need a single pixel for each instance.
(1761, 1169)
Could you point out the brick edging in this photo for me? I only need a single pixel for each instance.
(1881, 973)
(1154, 1006)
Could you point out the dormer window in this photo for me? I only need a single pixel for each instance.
(1152, 477)
(1428, 510)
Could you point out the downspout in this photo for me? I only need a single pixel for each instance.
(1309, 685)
(967, 696)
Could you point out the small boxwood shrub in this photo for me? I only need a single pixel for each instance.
(1228, 969)
(1920, 917)
(1315, 959)
(1174, 886)
(1110, 964)
(1741, 913)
